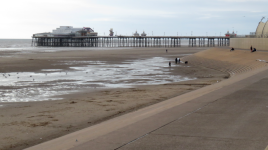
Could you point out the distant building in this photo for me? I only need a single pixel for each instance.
(111, 32)
(65, 30)
(230, 34)
(68, 31)
(262, 29)
(136, 34)
(143, 34)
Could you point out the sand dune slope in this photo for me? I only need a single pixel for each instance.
(235, 62)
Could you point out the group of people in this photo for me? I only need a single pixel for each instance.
(252, 50)
(177, 60)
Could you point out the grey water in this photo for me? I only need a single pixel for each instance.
(15, 43)
(18, 44)
(38, 86)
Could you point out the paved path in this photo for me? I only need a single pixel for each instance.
(232, 118)
(229, 115)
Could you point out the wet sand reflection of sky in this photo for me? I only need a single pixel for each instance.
(38, 86)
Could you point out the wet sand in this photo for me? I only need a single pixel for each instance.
(24, 124)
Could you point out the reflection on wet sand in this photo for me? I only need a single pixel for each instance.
(38, 86)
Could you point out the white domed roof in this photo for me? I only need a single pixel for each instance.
(265, 29)
(260, 28)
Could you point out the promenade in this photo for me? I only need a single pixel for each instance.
(232, 117)
(227, 115)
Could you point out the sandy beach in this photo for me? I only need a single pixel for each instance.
(24, 124)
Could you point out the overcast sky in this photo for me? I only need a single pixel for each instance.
(22, 18)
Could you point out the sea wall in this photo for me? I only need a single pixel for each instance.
(245, 43)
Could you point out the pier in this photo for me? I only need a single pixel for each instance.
(129, 41)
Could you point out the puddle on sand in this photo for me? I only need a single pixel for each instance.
(39, 86)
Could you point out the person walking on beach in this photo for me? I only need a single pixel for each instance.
(179, 60)
(176, 60)
(166, 50)
(169, 64)
(251, 48)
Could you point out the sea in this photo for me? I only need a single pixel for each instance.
(15, 43)
(10, 44)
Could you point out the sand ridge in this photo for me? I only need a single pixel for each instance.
(234, 62)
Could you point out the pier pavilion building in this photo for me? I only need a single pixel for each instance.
(68, 31)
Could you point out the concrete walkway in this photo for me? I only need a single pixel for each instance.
(233, 117)
(229, 115)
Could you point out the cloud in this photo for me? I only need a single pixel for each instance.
(32, 16)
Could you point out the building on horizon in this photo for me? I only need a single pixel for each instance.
(68, 31)
(230, 34)
(136, 34)
(111, 32)
(143, 34)
(262, 29)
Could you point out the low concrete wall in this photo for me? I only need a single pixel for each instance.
(245, 43)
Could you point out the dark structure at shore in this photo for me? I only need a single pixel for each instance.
(129, 41)
(67, 36)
